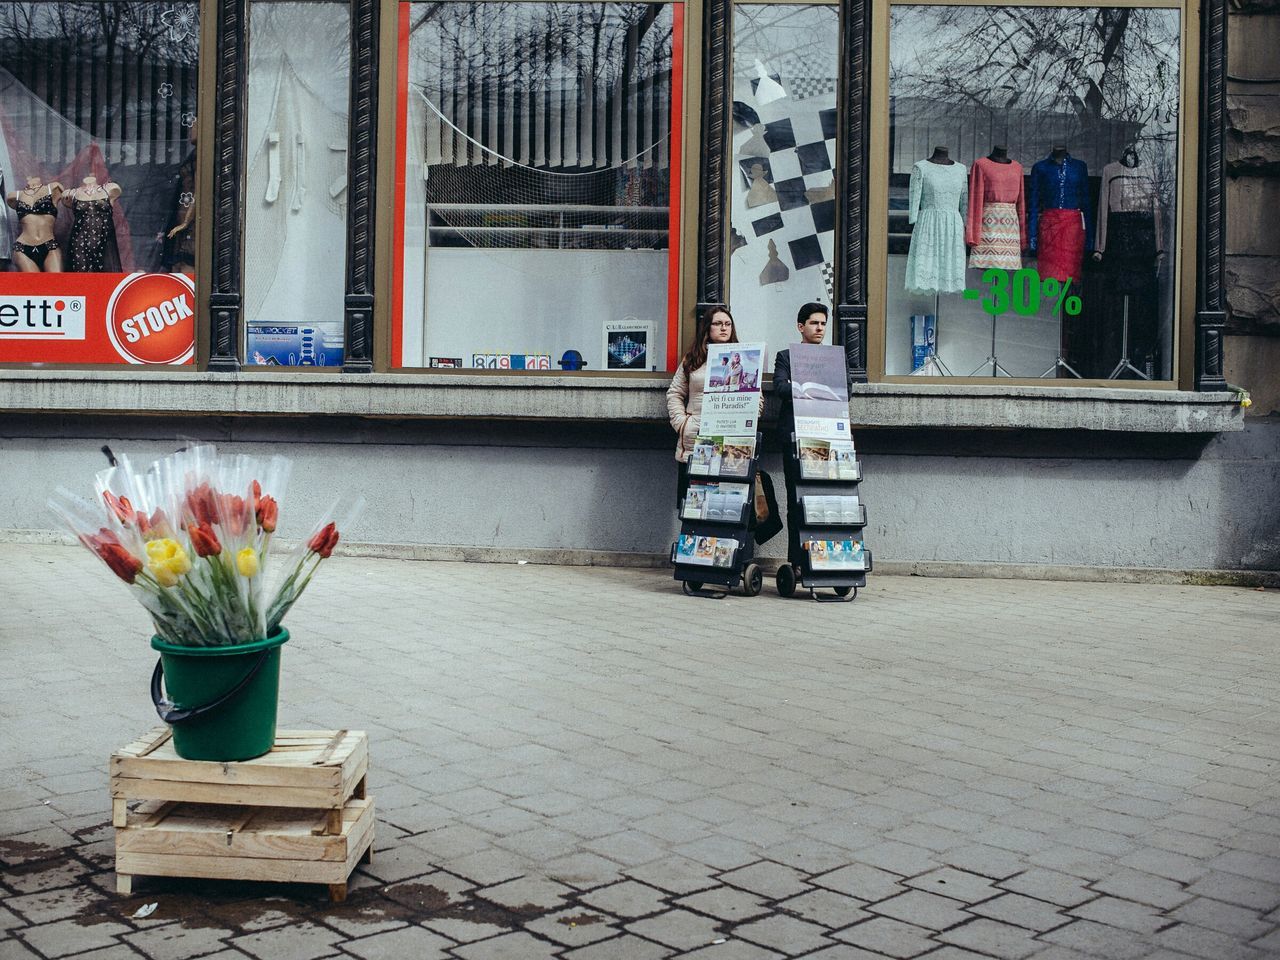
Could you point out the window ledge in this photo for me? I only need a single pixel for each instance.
(538, 397)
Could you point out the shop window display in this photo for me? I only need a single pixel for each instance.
(538, 145)
(783, 192)
(1032, 191)
(97, 168)
(296, 182)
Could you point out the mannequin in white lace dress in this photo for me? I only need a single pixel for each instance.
(936, 261)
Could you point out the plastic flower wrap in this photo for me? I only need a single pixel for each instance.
(192, 535)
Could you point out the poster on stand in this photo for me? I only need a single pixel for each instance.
(820, 391)
(731, 399)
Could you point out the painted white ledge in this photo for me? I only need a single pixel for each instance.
(558, 397)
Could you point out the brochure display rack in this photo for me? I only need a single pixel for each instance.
(715, 548)
(715, 551)
(822, 459)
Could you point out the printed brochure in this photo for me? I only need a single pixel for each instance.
(714, 501)
(826, 459)
(722, 456)
(731, 400)
(832, 510)
(836, 555)
(705, 551)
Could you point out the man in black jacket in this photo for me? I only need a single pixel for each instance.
(811, 321)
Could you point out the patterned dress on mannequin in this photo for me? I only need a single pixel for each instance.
(935, 263)
(92, 232)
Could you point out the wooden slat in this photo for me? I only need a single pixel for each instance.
(231, 774)
(239, 795)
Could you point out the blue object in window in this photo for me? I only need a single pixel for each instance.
(1059, 186)
(572, 360)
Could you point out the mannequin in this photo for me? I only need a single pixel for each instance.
(935, 262)
(1130, 246)
(1061, 217)
(36, 250)
(93, 230)
(179, 250)
(996, 225)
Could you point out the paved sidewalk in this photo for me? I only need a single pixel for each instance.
(583, 763)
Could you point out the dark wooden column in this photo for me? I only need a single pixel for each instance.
(1211, 315)
(853, 108)
(717, 111)
(362, 175)
(225, 306)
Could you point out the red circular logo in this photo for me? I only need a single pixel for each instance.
(151, 318)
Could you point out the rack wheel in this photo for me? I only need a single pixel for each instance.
(785, 580)
(691, 586)
(845, 591)
(752, 579)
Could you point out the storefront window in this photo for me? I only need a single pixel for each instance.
(783, 195)
(539, 143)
(296, 182)
(1033, 181)
(97, 165)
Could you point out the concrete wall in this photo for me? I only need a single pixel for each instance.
(605, 492)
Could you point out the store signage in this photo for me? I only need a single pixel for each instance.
(97, 318)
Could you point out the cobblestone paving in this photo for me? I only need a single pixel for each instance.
(583, 763)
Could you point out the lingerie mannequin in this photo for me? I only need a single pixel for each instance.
(93, 229)
(996, 225)
(36, 250)
(179, 241)
(935, 262)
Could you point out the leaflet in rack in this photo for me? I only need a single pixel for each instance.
(714, 501)
(831, 510)
(706, 551)
(820, 393)
(826, 459)
(836, 555)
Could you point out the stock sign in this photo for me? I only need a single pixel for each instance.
(97, 318)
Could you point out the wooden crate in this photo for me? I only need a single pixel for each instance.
(298, 814)
(168, 839)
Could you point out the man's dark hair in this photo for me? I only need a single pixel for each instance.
(808, 310)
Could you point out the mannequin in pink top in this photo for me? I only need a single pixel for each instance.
(996, 225)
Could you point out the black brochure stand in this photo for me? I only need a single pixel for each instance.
(844, 583)
(716, 582)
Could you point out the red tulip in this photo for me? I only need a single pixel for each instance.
(202, 504)
(122, 563)
(255, 492)
(235, 517)
(120, 506)
(156, 526)
(325, 540)
(203, 540)
(268, 512)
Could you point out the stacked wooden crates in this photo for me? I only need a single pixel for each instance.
(298, 814)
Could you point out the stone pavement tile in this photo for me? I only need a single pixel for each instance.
(787, 935)
(902, 858)
(922, 909)
(1247, 863)
(397, 944)
(628, 847)
(807, 855)
(1098, 940)
(956, 884)
(826, 907)
(993, 938)
(527, 892)
(1143, 887)
(625, 947)
(1165, 863)
(722, 853)
(725, 903)
(9, 920)
(49, 875)
(772, 881)
(732, 950)
(1022, 911)
(677, 928)
(17, 950)
(431, 892)
(1209, 944)
(173, 941)
(861, 881)
(583, 871)
(588, 823)
(673, 827)
(1270, 944)
(676, 875)
(1060, 888)
(845, 951)
(466, 927)
(448, 843)
(889, 937)
(297, 941)
(509, 946)
(629, 899)
(986, 861)
(487, 867)
(1126, 914)
(68, 936)
(1226, 918)
(541, 844)
(401, 862)
(118, 952)
(574, 927)
(1232, 888)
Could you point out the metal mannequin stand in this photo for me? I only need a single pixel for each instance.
(996, 367)
(1060, 362)
(933, 365)
(1125, 363)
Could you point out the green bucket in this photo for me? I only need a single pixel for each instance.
(221, 700)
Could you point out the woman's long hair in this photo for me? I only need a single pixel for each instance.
(697, 354)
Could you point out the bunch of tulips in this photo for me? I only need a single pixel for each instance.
(191, 536)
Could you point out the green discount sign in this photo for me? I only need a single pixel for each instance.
(1021, 292)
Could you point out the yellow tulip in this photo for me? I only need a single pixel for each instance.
(167, 561)
(247, 562)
